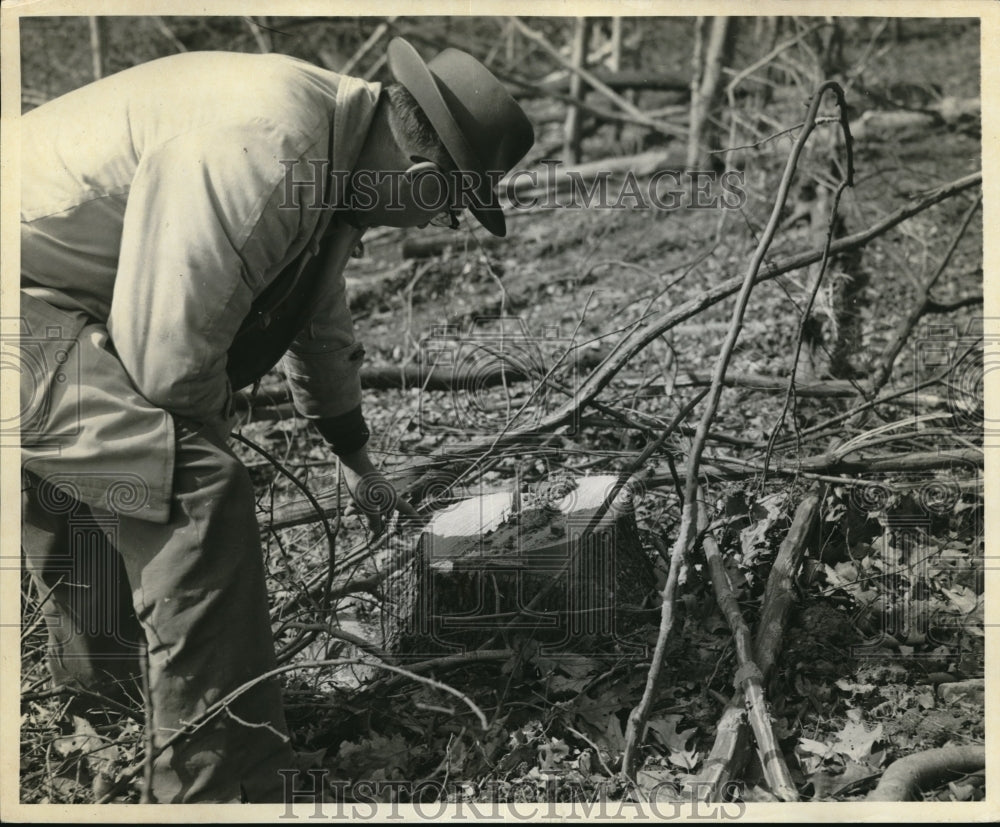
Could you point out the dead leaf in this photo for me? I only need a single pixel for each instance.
(665, 729)
(685, 759)
(855, 741)
(614, 738)
(827, 784)
(552, 753)
(815, 748)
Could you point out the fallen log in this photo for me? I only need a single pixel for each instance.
(427, 476)
(905, 778)
(272, 403)
(418, 247)
(486, 370)
(555, 177)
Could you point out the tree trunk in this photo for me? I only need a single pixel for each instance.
(577, 89)
(705, 87)
(488, 569)
(98, 46)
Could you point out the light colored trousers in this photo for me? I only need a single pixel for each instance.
(193, 589)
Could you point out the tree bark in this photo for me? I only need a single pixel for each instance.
(577, 89)
(705, 89)
(98, 31)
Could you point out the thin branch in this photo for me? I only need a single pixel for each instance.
(147, 743)
(366, 47)
(330, 533)
(257, 31)
(167, 32)
(803, 321)
(731, 747)
(950, 307)
(921, 306)
(597, 84)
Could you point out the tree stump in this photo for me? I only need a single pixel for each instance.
(498, 568)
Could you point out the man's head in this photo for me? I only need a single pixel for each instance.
(453, 129)
(411, 128)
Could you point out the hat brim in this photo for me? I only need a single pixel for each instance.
(410, 70)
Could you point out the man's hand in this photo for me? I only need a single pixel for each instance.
(372, 493)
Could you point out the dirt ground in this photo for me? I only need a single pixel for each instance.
(889, 601)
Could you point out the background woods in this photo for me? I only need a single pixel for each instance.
(769, 349)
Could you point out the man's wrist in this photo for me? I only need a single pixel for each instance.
(346, 433)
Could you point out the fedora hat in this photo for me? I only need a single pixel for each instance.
(480, 124)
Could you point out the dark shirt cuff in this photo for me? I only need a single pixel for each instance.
(346, 433)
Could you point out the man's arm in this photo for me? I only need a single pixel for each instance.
(201, 236)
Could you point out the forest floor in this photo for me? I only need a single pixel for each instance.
(889, 602)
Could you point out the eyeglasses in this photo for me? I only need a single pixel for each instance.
(446, 218)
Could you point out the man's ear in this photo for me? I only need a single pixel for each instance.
(419, 167)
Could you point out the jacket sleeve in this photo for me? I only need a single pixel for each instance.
(323, 363)
(202, 235)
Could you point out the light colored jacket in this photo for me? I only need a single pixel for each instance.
(161, 201)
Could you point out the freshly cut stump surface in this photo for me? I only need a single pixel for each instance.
(496, 568)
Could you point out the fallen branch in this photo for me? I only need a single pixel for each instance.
(320, 514)
(656, 326)
(623, 80)
(826, 464)
(749, 677)
(730, 751)
(905, 778)
(418, 247)
(429, 377)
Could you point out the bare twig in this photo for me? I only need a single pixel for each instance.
(98, 45)
(259, 32)
(76, 691)
(577, 89)
(366, 47)
(803, 321)
(147, 699)
(331, 533)
(167, 32)
(923, 305)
